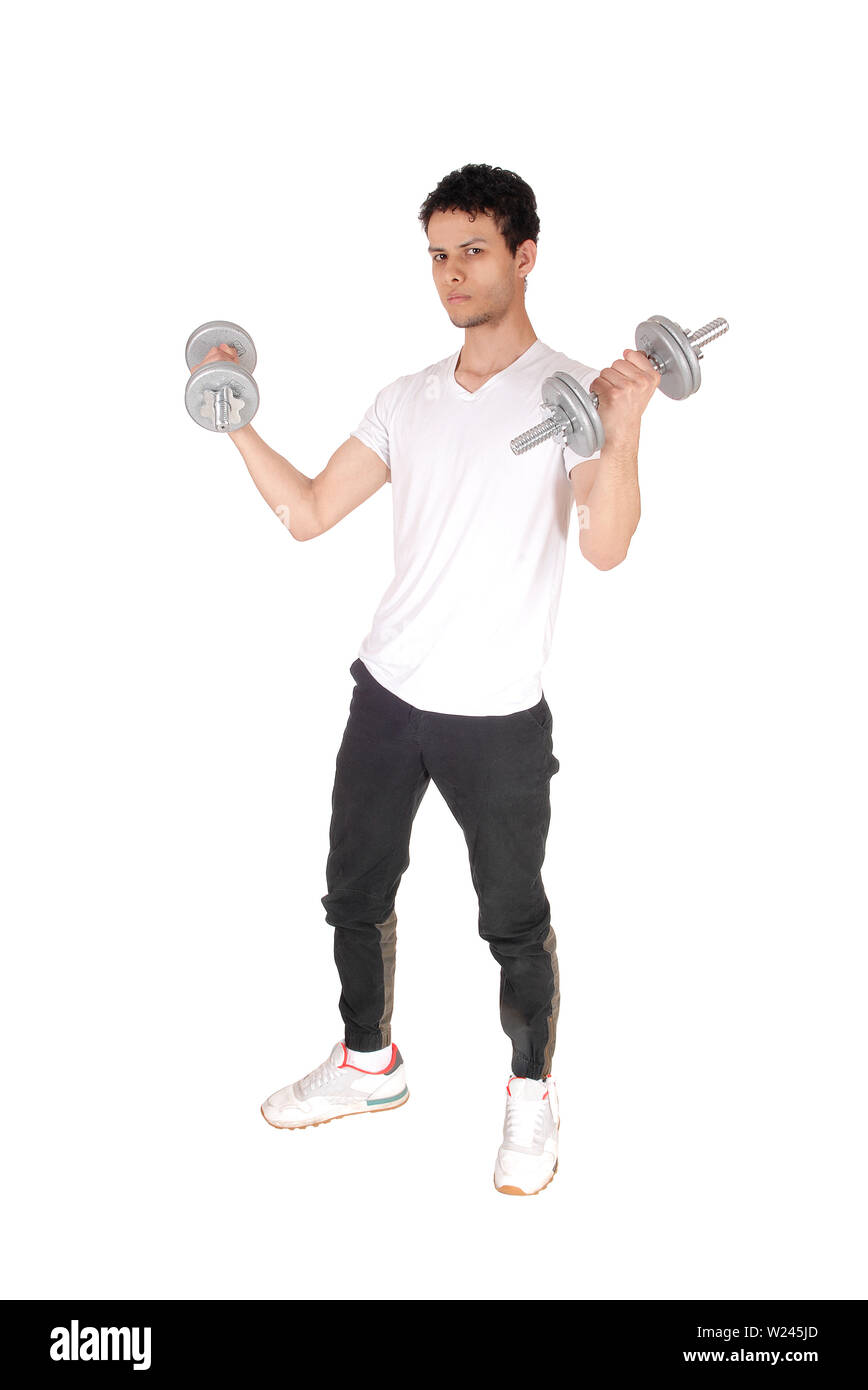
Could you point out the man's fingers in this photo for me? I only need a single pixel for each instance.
(640, 361)
(222, 353)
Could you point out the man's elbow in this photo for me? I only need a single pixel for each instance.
(604, 559)
(607, 562)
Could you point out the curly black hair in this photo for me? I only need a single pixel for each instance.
(483, 188)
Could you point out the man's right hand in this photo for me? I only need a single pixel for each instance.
(223, 353)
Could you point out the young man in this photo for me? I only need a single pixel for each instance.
(447, 681)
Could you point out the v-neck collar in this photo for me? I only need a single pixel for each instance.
(461, 392)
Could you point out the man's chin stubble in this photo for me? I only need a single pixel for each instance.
(473, 322)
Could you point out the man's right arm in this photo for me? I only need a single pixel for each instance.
(310, 506)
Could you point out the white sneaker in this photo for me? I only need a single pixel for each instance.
(337, 1088)
(527, 1160)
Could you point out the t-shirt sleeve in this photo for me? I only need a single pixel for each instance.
(373, 428)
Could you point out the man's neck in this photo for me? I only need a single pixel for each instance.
(489, 348)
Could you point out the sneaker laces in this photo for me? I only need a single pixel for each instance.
(320, 1076)
(523, 1127)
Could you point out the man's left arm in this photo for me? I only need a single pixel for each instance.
(607, 489)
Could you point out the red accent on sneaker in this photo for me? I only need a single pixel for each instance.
(382, 1070)
(524, 1078)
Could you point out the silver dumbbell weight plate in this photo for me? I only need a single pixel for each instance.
(586, 434)
(661, 338)
(211, 335)
(221, 396)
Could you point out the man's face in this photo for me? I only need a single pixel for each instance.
(476, 276)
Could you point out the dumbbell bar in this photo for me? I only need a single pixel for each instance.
(674, 351)
(221, 395)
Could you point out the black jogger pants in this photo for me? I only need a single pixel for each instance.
(493, 771)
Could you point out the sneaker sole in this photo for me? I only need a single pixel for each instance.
(520, 1192)
(327, 1119)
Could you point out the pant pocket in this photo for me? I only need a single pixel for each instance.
(540, 714)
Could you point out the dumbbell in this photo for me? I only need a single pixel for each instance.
(221, 395)
(674, 351)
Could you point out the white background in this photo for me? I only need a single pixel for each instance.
(177, 666)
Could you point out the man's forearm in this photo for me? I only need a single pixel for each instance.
(613, 503)
(288, 492)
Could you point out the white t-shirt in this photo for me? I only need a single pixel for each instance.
(480, 536)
